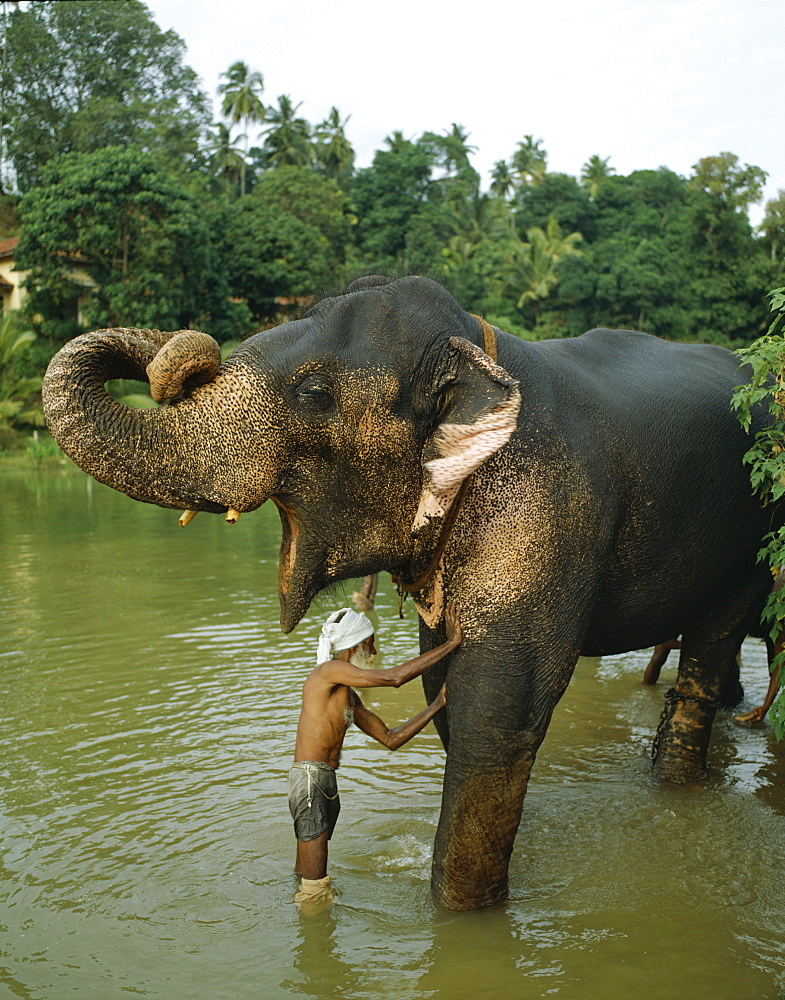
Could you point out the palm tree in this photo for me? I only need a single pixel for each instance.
(20, 397)
(242, 103)
(595, 171)
(334, 151)
(397, 142)
(287, 138)
(502, 179)
(472, 221)
(455, 148)
(773, 225)
(532, 268)
(226, 158)
(529, 161)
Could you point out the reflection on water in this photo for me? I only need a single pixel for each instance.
(148, 705)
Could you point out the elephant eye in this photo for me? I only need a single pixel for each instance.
(314, 391)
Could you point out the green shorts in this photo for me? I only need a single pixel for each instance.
(313, 799)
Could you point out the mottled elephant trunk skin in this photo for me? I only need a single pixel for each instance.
(192, 454)
(189, 358)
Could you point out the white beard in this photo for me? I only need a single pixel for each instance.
(363, 659)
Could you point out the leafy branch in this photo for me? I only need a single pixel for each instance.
(766, 458)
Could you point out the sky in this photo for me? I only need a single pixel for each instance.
(647, 83)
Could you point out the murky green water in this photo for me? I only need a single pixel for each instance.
(148, 704)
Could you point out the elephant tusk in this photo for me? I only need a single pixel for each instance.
(232, 515)
(187, 516)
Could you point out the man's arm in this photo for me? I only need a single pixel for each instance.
(339, 672)
(371, 724)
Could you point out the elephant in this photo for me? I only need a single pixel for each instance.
(574, 496)
(774, 647)
(364, 598)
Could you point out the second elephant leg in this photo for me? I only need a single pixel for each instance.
(708, 673)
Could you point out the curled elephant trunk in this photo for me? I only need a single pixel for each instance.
(198, 452)
(189, 358)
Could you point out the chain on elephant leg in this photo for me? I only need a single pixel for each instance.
(681, 742)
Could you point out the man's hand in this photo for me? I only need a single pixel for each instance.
(452, 623)
(441, 698)
(342, 672)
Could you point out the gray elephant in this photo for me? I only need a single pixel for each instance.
(574, 496)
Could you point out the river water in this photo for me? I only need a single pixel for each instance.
(148, 704)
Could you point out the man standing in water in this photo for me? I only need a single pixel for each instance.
(345, 655)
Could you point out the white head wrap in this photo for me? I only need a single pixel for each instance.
(337, 635)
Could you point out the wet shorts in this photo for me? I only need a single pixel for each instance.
(313, 799)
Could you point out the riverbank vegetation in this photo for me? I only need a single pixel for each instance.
(766, 459)
(112, 164)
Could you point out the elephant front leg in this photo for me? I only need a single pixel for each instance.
(481, 810)
(491, 750)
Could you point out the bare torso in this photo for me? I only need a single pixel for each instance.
(326, 714)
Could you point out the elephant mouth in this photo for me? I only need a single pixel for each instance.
(288, 557)
(293, 593)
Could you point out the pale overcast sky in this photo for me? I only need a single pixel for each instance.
(645, 82)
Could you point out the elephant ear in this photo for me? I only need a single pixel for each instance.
(480, 404)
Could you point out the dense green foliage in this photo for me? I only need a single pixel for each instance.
(144, 231)
(766, 459)
(81, 76)
(287, 238)
(20, 394)
(236, 225)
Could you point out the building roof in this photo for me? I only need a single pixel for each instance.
(8, 245)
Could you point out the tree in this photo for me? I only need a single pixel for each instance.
(287, 238)
(558, 195)
(722, 177)
(721, 259)
(145, 235)
(477, 231)
(594, 172)
(532, 267)
(82, 76)
(479, 218)
(502, 179)
(390, 196)
(226, 159)
(20, 396)
(529, 161)
(451, 151)
(241, 102)
(397, 142)
(333, 150)
(287, 141)
(766, 459)
(773, 225)
(637, 282)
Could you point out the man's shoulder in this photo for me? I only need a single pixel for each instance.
(328, 672)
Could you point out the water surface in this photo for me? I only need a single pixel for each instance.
(148, 704)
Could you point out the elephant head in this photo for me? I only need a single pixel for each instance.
(360, 421)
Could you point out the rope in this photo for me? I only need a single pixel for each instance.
(311, 766)
(488, 336)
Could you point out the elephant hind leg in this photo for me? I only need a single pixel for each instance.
(363, 599)
(708, 679)
(658, 657)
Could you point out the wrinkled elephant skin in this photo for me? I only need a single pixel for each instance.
(579, 495)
